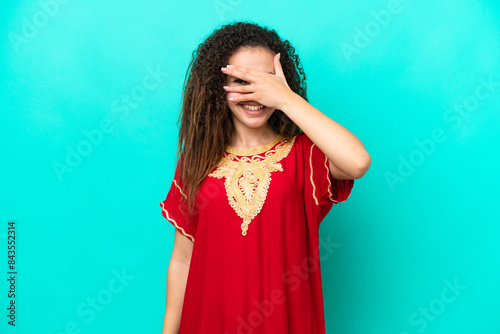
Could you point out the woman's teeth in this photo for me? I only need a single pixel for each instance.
(253, 108)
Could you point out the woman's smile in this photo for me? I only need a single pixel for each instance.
(253, 110)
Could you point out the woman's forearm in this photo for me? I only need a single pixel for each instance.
(177, 274)
(341, 146)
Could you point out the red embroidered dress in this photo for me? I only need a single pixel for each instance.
(255, 265)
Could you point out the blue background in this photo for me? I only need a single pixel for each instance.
(424, 217)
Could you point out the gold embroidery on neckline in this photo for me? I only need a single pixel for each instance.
(247, 178)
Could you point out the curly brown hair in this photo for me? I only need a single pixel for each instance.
(206, 125)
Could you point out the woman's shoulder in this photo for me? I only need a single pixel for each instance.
(301, 139)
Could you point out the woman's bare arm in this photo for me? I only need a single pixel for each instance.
(177, 273)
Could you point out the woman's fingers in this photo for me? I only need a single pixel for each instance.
(239, 72)
(243, 97)
(239, 89)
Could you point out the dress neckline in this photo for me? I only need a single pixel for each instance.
(254, 151)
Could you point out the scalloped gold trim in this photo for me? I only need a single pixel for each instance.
(180, 190)
(330, 185)
(311, 176)
(175, 223)
(330, 195)
(247, 179)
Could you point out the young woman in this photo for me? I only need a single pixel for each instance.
(258, 168)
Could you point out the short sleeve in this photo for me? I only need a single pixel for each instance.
(322, 190)
(178, 216)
